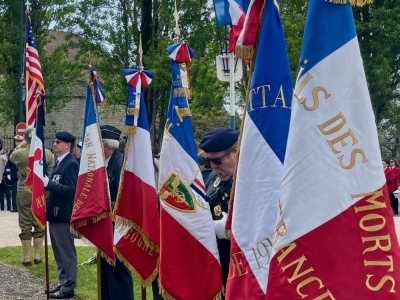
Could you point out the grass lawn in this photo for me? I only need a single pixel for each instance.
(87, 274)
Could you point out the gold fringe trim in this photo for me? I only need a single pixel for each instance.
(132, 112)
(166, 296)
(129, 223)
(182, 92)
(38, 222)
(89, 243)
(183, 112)
(135, 274)
(354, 3)
(29, 188)
(84, 222)
(130, 129)
(245, 52)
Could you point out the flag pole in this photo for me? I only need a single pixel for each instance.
(232, 87)
(46, 262)
(140, 50)
(98, 258)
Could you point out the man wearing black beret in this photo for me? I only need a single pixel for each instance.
(62, 185)
(116, 282)
(219, 146)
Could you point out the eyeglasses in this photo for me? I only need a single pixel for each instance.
(58, 141)
(217, 161)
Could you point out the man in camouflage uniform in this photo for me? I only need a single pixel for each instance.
(26, 220)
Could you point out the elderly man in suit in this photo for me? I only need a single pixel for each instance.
(26, 221)
(62, 185)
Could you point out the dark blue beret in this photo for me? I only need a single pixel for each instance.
(219, 139)
(65, 136)
(110, 132)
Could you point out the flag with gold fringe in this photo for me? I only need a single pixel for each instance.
(137, 227)
(245, 46)
(91, 213)
(37, 166)
(335, 235)
(189, 258)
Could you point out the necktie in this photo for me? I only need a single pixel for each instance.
(56, 164)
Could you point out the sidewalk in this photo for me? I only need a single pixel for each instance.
(10, 230)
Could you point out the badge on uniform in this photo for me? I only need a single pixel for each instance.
(56, 178)
(217, 182)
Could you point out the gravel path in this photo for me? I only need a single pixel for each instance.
(16, 283)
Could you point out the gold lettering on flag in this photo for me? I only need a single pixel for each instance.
(264, 89)
(299, 271)
(327, 127)
(378, 244)
(236, 264)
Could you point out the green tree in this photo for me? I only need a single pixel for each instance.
(57, 69)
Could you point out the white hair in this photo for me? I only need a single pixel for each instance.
(113, 144)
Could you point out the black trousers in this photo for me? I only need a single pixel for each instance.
(394, 203)
(116, 282)
(5, 189)
(14, 194)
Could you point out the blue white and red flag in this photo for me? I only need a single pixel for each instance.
(137, 229)
(98, 93)
(37, 167)
(230, 12)
(334, 235)
(91, 213)
(260, 162)
(189, 258)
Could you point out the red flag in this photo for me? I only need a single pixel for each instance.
(34, 78)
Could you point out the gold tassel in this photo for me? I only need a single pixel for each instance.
(183, 112)
(130, 129)
(135, 274)
(182, 92)
(245, 52)
(132, 112)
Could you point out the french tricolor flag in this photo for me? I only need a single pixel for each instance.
(334, 234)
(260, 162)
(137, 231)
(230, 12)
(91, 214)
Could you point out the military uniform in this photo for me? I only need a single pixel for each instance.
(116, 282)
(19, 157)
(223, 188)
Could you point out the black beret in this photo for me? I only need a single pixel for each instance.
(219, 139)
(65, 136)
(110, 132)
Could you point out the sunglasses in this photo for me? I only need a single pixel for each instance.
(217, 161)
(58, 141)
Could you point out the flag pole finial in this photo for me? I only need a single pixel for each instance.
(140, 53)
(28, 6)
(177, 31)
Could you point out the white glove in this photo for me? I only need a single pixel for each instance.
(219, 226)
(45, 180)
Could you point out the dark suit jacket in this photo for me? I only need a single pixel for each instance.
(114, 173)
(62, 185)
